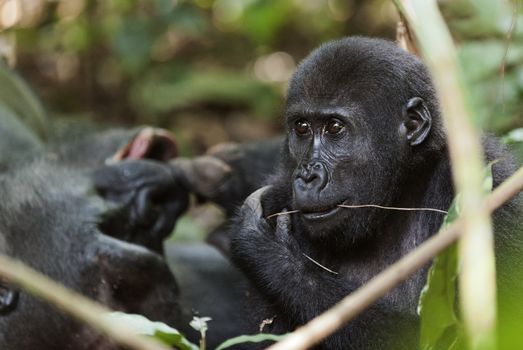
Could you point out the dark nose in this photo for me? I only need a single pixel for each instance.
(313, 175)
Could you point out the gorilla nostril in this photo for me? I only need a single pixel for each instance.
(312, 173)
(309, 178)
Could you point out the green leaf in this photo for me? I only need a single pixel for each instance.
(162, 93)
(158, 330)
(438, 297)
(16, 95)
(514, 136)
(250, 338)
(440, 326)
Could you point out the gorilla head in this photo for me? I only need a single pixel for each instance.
(360, 116)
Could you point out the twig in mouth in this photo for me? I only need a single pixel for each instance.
(391, 208)
(283, 213)
(367, 206)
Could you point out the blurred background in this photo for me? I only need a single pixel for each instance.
(217, 70)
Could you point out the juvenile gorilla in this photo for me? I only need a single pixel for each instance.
(363, 127)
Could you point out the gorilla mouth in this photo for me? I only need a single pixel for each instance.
(321, 213)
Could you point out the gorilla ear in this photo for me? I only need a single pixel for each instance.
(417, 121)
(8, 298)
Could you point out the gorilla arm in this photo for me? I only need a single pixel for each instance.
(296, 288)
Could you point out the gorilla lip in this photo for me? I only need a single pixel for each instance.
(320, 213)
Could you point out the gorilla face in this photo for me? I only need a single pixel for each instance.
(350, 143)
(337, 162)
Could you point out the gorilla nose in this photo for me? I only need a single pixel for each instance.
(311, 176)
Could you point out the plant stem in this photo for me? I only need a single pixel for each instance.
(76, 305)
(477, 278)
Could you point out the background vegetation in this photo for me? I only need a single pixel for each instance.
(216, 70)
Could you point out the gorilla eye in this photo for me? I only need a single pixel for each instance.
(302, 127)
(334, 127)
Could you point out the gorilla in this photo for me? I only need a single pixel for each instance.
(97, 236)
(91, 208)
(99, 229)
(225, 176)
(363, 127)
(47, 223)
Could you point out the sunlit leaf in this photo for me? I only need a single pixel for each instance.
(158, 330)
(515, 136)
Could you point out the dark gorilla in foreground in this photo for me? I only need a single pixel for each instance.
(47, 223)
(95, 228)
(90, 207)
(363, 127)
(99, 230)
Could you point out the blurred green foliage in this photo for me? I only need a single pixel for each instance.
(170, 62)
(163, 61)
(166, 61)
(491, 52)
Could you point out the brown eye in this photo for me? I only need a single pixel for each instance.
(302, 127)
(334, 127)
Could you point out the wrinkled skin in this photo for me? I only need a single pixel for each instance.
(363, 127)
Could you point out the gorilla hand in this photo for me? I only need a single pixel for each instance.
(146, 199)
(257, 232)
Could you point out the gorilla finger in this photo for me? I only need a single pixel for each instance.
(283, 222)
(145, 212)
(253, 202)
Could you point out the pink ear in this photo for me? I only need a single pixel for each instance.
(149, 143)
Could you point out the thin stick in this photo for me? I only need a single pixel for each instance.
(82, 308)
(320, 265)
(366, 206)
(392, 208)
(503, 63)
(283, 213)
(477, 277)
(350, 306)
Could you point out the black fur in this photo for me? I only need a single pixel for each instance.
(384, 98)
(48, 221)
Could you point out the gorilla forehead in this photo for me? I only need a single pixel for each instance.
(358, 69)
